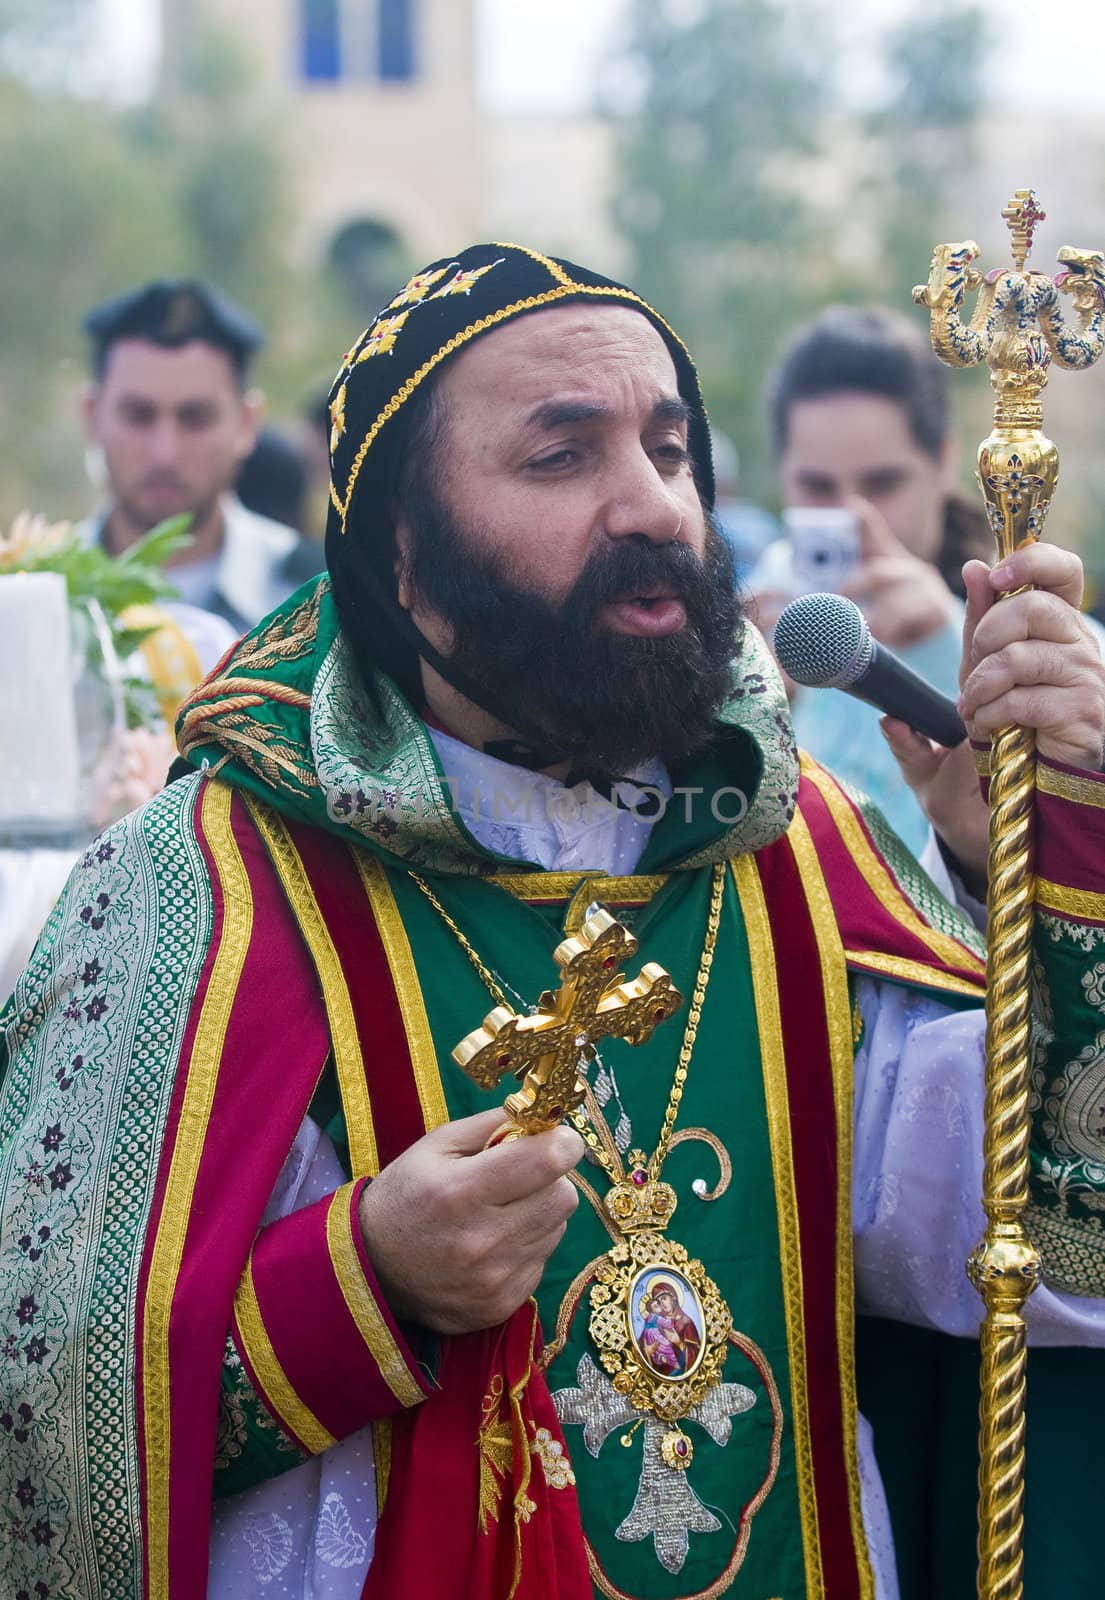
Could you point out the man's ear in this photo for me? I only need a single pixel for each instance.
(253, 411)
(90, 395)
(401, 529)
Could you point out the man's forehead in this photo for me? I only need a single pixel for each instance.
(534, 353)
(143, 363)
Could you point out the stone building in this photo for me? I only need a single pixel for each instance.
(391, 155)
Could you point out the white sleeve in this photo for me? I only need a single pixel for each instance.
(917, 1172)
(951, 886)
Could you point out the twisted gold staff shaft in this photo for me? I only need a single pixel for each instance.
(1017, 328)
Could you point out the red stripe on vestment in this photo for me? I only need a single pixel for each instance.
(393, 1093)
(872, 921)
(815, 1140)
(264, 1080)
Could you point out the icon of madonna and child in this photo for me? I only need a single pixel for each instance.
(666, 1321)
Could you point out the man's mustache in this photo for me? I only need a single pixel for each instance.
(632, 566)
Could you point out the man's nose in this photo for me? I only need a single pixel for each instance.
(640, 501)
(164, 442)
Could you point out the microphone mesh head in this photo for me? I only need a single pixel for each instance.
(822, 640)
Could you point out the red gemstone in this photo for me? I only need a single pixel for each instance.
(659, 1014)
(639, 1177)
(503, 1061)
(681, 1447)
(555, 1112)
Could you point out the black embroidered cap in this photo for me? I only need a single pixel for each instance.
(441, 310)
(172, 312)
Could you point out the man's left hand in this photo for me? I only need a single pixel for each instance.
(1032, 660)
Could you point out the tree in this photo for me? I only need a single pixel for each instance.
(717, 136)
(84, 216)
(924, 137)
(732, 130)
(96, 198)
(224, 154)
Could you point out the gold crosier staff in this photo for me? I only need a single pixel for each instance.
(1018, 329)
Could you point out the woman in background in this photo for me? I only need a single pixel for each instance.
(858, 410)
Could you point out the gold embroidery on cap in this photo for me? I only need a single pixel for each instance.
(382, 336)
(414, 292)
(462, 282)
(337, 418)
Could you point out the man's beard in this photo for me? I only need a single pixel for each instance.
(572, 689)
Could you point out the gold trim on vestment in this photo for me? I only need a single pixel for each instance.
(381, 1460)
(1070, 902)
(1082, 788)
(408, 989)
(761, 950)
(1084, 791)
(361, 1303)
(348, 1062)
(548, 887)
(838, 1012)
(916, 972)
(877, 875)
(276, 1388)
(202, 1071)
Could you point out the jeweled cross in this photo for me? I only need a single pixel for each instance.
(1022, 216)
(545, 1049)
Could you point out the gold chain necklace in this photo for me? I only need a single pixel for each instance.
(658, 1320)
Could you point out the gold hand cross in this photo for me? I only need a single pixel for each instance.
(544, 1050)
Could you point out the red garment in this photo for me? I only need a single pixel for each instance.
(480, 1481)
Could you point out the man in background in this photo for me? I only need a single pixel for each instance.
(171, 411)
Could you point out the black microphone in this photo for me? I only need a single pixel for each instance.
(823, 641)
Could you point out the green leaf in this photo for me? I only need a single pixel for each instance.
(155, 548)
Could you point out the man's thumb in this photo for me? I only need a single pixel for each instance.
(468, 1135)
(918, 758)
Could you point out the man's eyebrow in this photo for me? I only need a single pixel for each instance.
(674, 410)
(555, 413)
(558, 413)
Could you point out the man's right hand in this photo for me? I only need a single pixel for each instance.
(458, 1235)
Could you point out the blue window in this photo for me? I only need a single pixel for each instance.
(395, 41)
(320, 39)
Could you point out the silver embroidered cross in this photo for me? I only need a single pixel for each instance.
(665, 1505)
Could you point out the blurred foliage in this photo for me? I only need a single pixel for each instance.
(734, 193)
(726, 109)
(926, 135)
(97, 197)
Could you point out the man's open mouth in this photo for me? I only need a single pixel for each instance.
(652, 614)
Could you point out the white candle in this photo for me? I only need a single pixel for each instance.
(39, 761)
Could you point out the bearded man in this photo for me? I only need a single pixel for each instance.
(256, 1244)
